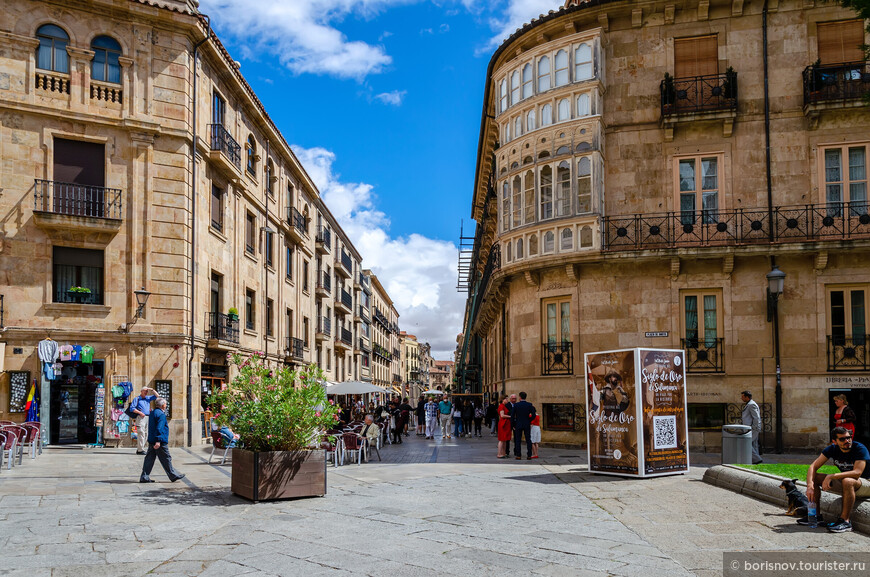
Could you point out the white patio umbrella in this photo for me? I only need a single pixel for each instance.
(433, 392)
(353, 388)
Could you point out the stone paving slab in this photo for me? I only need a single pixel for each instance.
(430, 506)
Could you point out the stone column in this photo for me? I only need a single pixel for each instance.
(80, 77)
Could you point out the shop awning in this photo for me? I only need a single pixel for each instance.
(352, 388)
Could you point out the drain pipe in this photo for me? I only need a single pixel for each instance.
(193, 235)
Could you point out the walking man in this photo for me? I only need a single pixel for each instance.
(509, 405)
(752, 418)
(445, 408)
(431, 418)
(521, 418)
(141, 405)
(158, 445)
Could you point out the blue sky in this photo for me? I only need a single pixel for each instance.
(381, 100)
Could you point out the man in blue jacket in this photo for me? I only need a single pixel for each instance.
(521, 418)
(158, 445)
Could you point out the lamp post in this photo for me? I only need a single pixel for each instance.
(775, 283)
(141, 299)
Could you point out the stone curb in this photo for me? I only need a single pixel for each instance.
(765, 487)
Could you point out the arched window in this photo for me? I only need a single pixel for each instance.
(549, 241)
(530, 120)
(546, 193)
(515, 87)
(514, 165)
(563, 189)
(584, 185)
(543, 154)
(529, 193)
(528, 87)
(105, 66)
(509, 247)
(583, 108)
(586, 236)
(543, 74)
(564, 110)
(547, 115)
(252, 155)
(583, 63)
(51, 52)
(528, 160)
(567, 242)
(562, 150)
(518, 126)
(517, 202)
(505, 206)
(561, 68)
(519, 248)
(533, 245)
(503, 96)
(270, 177)
(507, 132)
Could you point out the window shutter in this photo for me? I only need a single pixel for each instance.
(841, 41)
(698, 56)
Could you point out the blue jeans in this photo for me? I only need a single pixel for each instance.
(229, 436)
(457, 426)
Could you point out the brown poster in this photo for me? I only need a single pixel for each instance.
(612, 412)
(663, 393)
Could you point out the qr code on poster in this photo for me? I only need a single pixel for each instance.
(665, 432)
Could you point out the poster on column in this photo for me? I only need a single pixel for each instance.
(665, 428)
(611, 401)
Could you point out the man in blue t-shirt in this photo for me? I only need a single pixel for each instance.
(141, 405)
(445, 408)
(853, 480)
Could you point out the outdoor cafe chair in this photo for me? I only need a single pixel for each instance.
(2, 448)
(332, 450)
(219, 442)
(43, 441)
(31, 439)
(10, 445)
(353, 443)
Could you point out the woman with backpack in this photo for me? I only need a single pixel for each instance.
(457, 418)
(478, 417)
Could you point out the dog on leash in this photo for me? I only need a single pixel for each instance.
(797, 501)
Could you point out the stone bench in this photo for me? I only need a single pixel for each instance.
(766, 487)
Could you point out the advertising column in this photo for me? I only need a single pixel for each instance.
(665, 429)
(611, 402)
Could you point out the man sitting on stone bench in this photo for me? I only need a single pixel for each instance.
(853, 480)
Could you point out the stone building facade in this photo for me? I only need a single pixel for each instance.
(409, 350)
(101, 112)
(386, 357)
(624, 198)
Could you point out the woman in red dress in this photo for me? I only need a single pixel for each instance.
(504, 429)
(845, 416)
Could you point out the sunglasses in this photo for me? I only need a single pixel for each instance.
(844, 438)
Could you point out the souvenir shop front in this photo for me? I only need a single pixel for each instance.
(73, 402)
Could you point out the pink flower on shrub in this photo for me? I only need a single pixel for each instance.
(335, 417)
(316, 413)
(331, 402)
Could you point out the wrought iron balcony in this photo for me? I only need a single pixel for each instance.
(323, 239)
(324, 326)
(363, 313)
(379, 317)
(221, 140)
(381, 352)
(323, 283)
(810, 222)
(557, 358)
(298, 223)
(713, 93)
(294, 348)
(344, 264)
(704, 355)
(345, 336)
(222, 327)
(848, 353)
(364, 346)
(344, 298)
(836, 82)
(76, 199)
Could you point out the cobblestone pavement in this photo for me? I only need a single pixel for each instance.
(444, 507)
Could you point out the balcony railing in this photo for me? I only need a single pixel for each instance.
(364, 346)
(704, 355)
(324, 236)
(297, 221)
(379, 317)
(222, 327)
(831, 221)
(294, 348)
(381, 352)
(363, 313)
(222, 140)
(324, 325)
(62, 295)
(836, 82)
(712, 93)
(557, 358)
(345, 336)
(364, 281)
(76, 199)
(346, 261)
(344, 298)
(848, 353)
(323, 282)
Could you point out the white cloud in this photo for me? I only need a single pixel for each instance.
(517, 13)
(393, 97)
(444, 28)
(419, 273)
(303, 33)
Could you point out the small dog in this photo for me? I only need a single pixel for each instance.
(797, 501)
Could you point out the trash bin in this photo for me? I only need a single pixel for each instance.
(736, 445)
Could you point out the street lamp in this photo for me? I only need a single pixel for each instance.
(775, 284)
(141, 299)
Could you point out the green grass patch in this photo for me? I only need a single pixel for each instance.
(788, 470)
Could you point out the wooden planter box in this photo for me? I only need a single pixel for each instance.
(265, 476)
